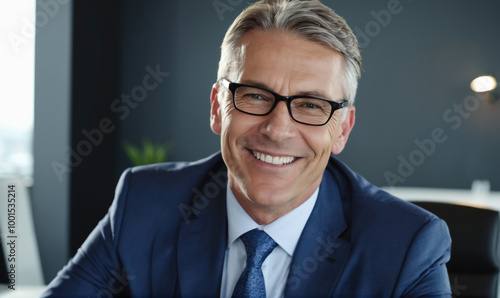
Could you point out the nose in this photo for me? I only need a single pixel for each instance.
(278, 125)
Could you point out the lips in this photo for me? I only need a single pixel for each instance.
(275, 160)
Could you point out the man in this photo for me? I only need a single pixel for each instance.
(294, 221)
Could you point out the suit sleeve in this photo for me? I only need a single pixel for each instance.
(424, 272)
(95, 270)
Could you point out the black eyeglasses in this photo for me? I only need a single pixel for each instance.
(304, 109)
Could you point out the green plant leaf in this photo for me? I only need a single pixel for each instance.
(133, 154)
(148, 154)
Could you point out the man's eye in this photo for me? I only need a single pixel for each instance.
(255, 96)
(310, 105)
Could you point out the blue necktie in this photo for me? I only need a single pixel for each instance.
(258, 246)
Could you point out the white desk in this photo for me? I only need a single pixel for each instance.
(479, 197)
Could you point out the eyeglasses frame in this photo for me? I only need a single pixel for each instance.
(288, 99)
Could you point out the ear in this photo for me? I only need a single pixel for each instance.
(346, 128)
(215, 119)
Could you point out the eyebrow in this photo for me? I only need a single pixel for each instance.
(315, 93)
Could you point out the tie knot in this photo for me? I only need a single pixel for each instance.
(258, 246)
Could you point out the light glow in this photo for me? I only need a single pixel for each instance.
(483, 84)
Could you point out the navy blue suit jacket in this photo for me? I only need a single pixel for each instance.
(166, 235)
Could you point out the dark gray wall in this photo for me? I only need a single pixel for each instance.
(415, 72)
(419, 58)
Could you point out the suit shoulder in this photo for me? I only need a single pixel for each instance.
(165, 185)
(374, 202)
(150, 194)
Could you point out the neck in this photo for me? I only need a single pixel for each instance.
(264, 214)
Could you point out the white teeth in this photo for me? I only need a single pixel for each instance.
(277, 160)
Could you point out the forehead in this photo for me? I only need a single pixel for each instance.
(289, 63)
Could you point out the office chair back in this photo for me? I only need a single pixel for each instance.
(475, 260)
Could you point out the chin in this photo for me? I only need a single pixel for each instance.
(269, 197)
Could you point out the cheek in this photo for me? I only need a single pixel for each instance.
(235, 126)
(236, 123)
(321, 138)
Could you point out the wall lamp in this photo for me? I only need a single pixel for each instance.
(484, 86)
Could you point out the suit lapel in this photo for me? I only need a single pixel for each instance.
(323, 247)
(202, 241)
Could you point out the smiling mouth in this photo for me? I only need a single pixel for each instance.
(275, 160)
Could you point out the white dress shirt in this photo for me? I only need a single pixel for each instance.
(285, 231)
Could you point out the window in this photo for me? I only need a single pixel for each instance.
(17, 52)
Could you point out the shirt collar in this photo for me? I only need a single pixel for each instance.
(285, 230)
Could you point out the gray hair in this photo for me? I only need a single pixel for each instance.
(306, 18)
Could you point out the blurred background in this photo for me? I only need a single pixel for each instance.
(109, 72)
